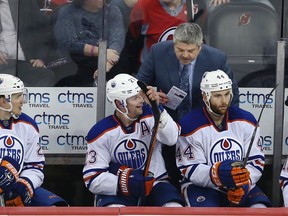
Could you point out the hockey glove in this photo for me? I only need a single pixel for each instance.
(9, 169)
(229, 174)
(133, 183)
(21, 195)
(116, 168)
(238, 195)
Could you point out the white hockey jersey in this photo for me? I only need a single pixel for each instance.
(19, 139)
(283, 180)
(108, 141)
(202, 143)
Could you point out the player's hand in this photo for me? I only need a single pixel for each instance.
(132, 183)
(238, 195)
(229, 174)
(116, 168)
(9, 169)
(21, 195)
(151, 94)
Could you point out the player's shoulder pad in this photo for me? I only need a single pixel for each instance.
(193, 120)
(101, 127)
(27, 120)
(237, 113)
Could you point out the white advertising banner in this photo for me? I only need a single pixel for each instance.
(65, 115)
(251, 99)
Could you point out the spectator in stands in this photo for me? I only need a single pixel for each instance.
(153, 21)
(163, 68)
(212, 147)
(22, 42)
(78, 30)
(157, 20)
(22, 160)
(125, 7)
(118, 150)
(283, 180)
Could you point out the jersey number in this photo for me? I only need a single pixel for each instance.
(187, 153)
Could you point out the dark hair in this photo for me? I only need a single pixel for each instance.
(78, 2)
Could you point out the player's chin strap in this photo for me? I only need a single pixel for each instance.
(163, 118)
(207, 103)
(126, 114)
(210, 110)
(13, 115)
(10, 111)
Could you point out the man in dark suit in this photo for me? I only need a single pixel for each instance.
(162, 69)
(24, 23)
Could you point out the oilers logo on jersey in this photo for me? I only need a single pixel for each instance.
(12, 147)
(132, 153)
(226, 149)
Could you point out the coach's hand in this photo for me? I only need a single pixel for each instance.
(229, 174)
(238, 195)
(132, 183)
(9, 169)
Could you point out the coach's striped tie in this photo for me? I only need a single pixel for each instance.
(185, 105)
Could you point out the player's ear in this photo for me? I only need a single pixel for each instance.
(120, 105)
(204, 96)
(2, 100)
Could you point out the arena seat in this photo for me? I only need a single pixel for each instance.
(244, 28)
(247, 31)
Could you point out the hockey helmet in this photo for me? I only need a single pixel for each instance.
(215, 81)
(10, 85)
(121, 87)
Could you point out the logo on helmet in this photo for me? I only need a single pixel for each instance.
(113, 84)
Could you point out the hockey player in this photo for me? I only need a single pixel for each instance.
(213, 142)
(283, 180)
(22, 161)
(118, 148)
